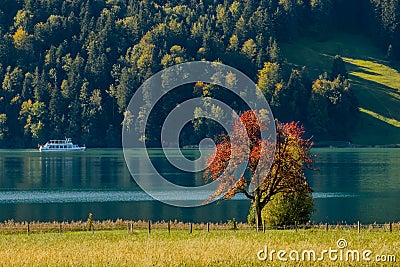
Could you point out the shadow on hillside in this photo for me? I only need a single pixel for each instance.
(393, 93)
(367, 70)
(382, 99)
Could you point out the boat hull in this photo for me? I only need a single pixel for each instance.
(43, 149)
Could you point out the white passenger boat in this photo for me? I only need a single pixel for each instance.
(60, 146)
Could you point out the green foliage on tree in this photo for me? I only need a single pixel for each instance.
(3, 126)
(268, 78)
(32, 116)
(338, 68)
(286, 176)
(285, 209)
(50, 50)
(330, 105)
(290, 100)
(289, 209)
(322, 19)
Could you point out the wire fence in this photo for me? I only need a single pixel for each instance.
(12, 227)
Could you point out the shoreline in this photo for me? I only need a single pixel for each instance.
(316, 145)
(14, 227)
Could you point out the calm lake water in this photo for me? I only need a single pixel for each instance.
(351, 184)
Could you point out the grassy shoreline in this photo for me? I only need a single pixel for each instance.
(37, 227)
(179, 248)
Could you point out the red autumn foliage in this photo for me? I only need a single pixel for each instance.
(282, 173)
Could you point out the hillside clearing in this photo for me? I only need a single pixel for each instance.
(374, 81)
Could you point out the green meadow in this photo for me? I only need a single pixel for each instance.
(375, 82)
(200, 248)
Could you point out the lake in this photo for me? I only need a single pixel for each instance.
(351, 184)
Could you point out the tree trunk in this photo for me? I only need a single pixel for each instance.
(257, 206)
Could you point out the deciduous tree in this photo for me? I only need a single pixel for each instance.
(291, 157)
(31, 115)
(268, 77)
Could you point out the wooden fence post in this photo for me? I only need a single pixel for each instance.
(208, 227)
(327, 227)
(149, 228)
(234, 225)
(60, 229)
(191, 228)
(390, 227)
(28, 230)
(169, 227)
(358, 226)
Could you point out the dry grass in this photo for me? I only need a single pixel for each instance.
(13, 227)
(179, 248)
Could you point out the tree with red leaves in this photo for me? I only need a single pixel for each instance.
(290, 156)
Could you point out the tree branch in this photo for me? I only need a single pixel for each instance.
(247, 194)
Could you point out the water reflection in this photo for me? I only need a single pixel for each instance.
(352, 184)
(137, 210)
(373, 175)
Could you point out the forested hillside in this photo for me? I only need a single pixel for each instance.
(69, 68)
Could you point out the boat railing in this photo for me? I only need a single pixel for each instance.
(66, 141)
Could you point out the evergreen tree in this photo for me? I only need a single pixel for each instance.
(39, 84)
(3, 128)
(333, 108)
(321, 13)
(338, 68)
(56, 107)
(86, 57)
(274, 51)
(27, 86)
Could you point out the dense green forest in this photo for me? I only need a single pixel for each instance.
(69, 68)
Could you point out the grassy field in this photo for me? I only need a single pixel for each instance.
(375, 82)
(179, 248)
